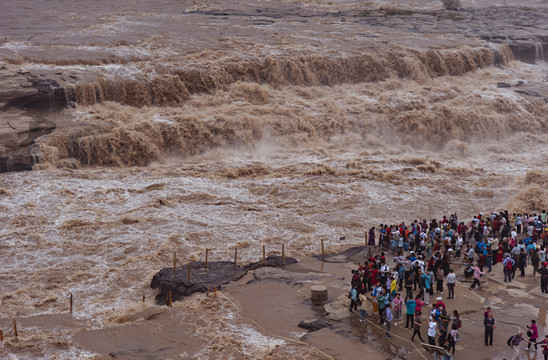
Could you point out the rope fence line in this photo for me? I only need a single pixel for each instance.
(383, 329)
(368, 251)
(204, 287)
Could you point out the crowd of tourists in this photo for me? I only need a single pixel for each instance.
(422, 253)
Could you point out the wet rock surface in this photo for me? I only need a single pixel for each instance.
(201, 279)
(314, 324)
(17, 134)
(344, 255)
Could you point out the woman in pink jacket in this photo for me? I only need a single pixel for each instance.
(533, 335)
(477, 274)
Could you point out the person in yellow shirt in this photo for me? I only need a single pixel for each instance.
(393, 287)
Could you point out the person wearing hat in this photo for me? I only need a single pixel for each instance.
(543, 271)
(440, 303)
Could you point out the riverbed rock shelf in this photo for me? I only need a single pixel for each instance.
(203, 279)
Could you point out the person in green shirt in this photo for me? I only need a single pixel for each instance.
(383, 301)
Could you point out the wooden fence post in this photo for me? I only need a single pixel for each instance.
(264, 255)
(71, 303)
(15, 327)
(283, 255)
(323, 253)
(236, 257)
(207, 252)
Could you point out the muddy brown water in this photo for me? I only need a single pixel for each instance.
(217, 125)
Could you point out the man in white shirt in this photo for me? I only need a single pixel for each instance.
(451, 280)
(432, 330)
(518, 223)
(470, 253)
(458, 246)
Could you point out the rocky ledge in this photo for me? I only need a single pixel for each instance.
(17, 134)
(201, 279)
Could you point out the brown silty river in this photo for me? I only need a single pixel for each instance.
(184, 125)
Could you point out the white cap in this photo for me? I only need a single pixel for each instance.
(438, 298)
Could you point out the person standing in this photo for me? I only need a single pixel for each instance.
(417, 327)
(353, 300)
(518, 223)
(533, 335)
(363, 307)
(432, 331)
(425, 280)
(451, 281)
(453, 338)
(398, 307)
(410, 312)
(419, 304)
(543, 271)
(409, 279)
(535, 260)
(488, 256)
(383, 301)
(388, 317)
(439, 280)
(507, 265)
(495, 250)
(455, 318)
(477, 274)
(371, 241)
(489, 324)
(443, 327)
(522, 262)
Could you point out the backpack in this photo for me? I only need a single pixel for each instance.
(511, 340)
(508, 264)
